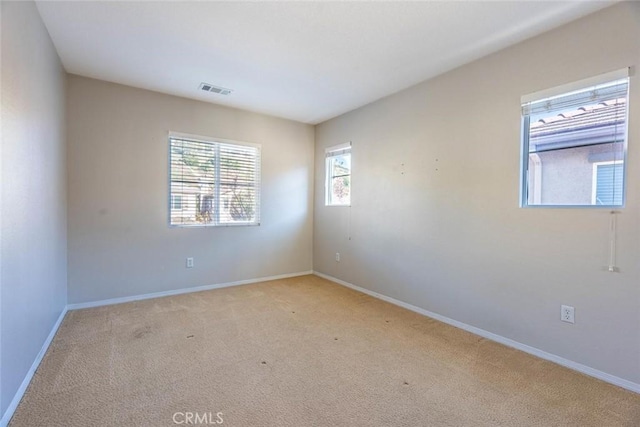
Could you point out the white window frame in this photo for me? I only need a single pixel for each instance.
(210, 140)
(329, 176)
(594, 184)
(559, 91)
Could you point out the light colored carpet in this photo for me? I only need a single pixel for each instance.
(299, 352)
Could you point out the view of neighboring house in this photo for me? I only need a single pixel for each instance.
(577, 157)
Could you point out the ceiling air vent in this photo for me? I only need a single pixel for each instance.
(215, 89)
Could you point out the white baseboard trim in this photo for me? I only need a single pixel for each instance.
(612, 379)
(4, 422)
(181, 291)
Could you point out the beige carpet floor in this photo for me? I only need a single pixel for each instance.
(299, 352)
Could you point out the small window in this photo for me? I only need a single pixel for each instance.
(176, 202)
(213, 183)
(607, 183)
(338, 170)
(574, 144)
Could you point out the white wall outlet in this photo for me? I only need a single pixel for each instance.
(567, 314)
(189, 262)
(337, 256)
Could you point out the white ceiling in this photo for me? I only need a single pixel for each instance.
(306, 61)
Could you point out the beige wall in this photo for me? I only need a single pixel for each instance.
(435, 220)
(33, 202)
(120, 243)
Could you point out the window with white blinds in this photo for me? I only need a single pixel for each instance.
(213, 183)
(574, 143)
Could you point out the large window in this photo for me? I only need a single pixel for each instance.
(338, 173)
(213, 183)
(574, 143)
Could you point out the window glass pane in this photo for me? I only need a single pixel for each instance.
(341, 165)
(566, 177)
(340, 191)
(339, 179)
(192, 182)
(237, 184)
(237, 204)
(575, 151)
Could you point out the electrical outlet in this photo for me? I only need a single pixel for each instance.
(567, 314)
(189, 262)
(337, 256)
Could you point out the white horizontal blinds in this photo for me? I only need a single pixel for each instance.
(576, 86)
(338, 152)
(239, 189)
(193, 181)
(607, 92)
(591, 116)
(217, 183)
